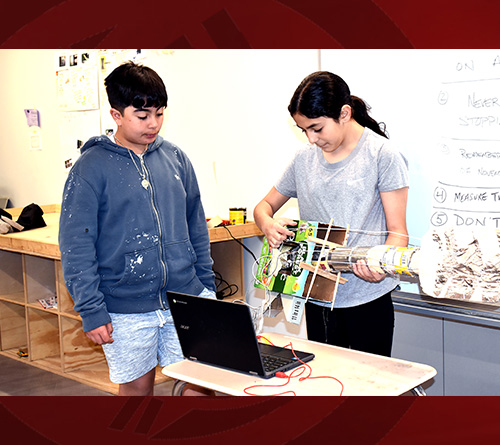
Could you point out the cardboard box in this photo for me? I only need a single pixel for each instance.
(279, 269)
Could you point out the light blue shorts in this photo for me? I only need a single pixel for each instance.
(142, 341)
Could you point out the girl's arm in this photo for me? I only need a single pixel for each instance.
(394, 203)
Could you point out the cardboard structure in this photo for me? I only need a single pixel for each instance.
(289, 268)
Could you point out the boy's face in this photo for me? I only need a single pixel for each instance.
(138, 127)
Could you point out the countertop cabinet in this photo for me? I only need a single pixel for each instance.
(460, 340)
(52, 338)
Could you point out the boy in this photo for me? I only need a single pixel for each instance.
(132, 227)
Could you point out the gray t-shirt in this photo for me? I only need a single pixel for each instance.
(349, 192)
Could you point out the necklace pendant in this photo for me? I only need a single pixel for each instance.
(145, 183)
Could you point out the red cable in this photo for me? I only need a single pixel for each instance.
(300, 370)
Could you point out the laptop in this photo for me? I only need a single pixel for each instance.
(221, 333)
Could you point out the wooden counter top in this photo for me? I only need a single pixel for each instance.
(40, 242)
(239, 231)
(44, 241)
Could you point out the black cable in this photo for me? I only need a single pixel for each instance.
(240, 243)
(221, 293)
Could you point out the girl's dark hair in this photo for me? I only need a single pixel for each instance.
(136, 85)
(323, 94)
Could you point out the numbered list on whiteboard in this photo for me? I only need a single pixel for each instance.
(467, 175)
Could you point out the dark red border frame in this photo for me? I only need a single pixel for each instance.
(256, 24)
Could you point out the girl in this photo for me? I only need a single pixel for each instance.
(351, 174)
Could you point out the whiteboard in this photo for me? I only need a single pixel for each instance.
(442, 111)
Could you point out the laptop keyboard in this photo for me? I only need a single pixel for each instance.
(271, 362)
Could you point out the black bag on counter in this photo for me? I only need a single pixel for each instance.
(31, 217)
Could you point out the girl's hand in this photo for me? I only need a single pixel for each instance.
(276, 232)
(362, 270)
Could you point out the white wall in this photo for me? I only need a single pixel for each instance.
(227, 110)
(27, 80)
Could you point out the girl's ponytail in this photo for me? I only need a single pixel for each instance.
(361, 114)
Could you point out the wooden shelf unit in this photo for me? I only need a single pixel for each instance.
(30, 270)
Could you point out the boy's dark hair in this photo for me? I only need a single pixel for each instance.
(136, 85)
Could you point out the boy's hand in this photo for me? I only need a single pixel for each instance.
(101, 335)
(276, 232)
